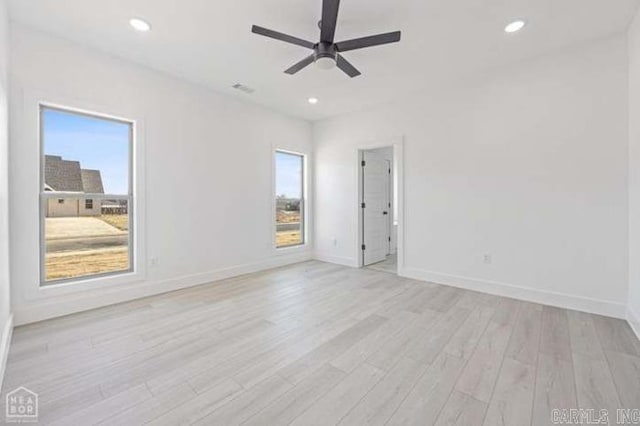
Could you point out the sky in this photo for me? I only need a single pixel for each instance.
(288, 175)
(97, 143)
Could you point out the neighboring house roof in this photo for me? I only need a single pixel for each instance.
(92, 181)
(67, 176)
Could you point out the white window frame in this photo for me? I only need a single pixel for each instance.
(135, 271)
(304, 205)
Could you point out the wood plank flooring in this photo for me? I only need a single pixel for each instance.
(321, 344)
(390, 264)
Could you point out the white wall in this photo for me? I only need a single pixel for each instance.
(527, 164)
(634, 174)
(4, 170)
(207, 165)
(5, 306)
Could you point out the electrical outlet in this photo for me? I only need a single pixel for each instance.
(487, 259)
(154, 261)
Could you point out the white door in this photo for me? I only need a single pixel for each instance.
(388, 189)
(375, 190)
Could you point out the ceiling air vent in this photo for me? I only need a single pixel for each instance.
(243, 88)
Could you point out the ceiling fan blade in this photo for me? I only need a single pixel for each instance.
(346, 66)
(298, 66)
(361, 43)
(329, 20)
(281, 36)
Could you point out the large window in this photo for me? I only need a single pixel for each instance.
(86, 195)
(289, 199)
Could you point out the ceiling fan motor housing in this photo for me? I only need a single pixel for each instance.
(325, 50)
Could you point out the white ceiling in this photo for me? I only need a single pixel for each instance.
(209, 42)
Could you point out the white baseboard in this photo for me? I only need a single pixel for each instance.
(345, 261)
(5, 341)
(528, 294)
(69, 304)
(633, 319)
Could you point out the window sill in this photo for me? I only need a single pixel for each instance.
(282, 251)
(90, 284)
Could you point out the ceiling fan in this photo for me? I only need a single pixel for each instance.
(326, 53)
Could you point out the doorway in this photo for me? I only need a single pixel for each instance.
(378, 209)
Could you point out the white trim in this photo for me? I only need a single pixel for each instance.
(48, 309)
(398, 190)
(528, 294)
(344, 261)
(5, 341)
(634, 321)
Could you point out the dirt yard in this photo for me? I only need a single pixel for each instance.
(78, 227)
(120, 221)
(81, 263)
(288, 238)
(283, 216)
(82, 246)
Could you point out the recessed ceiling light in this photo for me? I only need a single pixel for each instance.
(313, 101)
(140, 24)
(515, 26)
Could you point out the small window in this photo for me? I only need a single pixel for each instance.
(289, 199)
(86, 161)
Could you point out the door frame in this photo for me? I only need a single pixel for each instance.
(398, 181)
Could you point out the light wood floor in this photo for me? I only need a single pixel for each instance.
(390, 265)
(317, 343)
